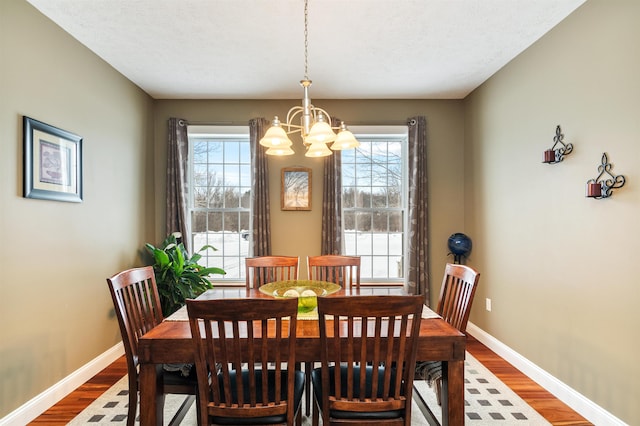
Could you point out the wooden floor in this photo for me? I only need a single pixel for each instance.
(556, 412)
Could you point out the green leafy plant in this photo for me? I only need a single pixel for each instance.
(178, 275)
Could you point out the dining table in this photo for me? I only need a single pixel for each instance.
(170, 342)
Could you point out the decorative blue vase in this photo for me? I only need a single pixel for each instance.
(459, 245)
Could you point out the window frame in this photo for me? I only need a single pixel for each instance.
(226, 133)
(385, 133)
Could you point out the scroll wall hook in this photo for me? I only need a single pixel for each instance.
(553, 155)
(599, 188)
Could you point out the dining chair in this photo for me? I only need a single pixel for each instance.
(367, 359)
(343, 270)
(137, 306)
(231, 335)
(454, 306)
(266, 269)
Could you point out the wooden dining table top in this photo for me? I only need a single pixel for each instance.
(169, 342)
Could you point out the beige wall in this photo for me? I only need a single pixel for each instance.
(55, 308)
(557, 266)
(297, 233)
(560, 268)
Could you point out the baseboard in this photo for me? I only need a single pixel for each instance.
(574, 399)
(42, 402)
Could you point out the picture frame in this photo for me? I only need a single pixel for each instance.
(52, 162)
(296, 188)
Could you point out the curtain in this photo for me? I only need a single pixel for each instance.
(177, 184)
(417, 265)
(260, 210)
(332, 201)
(332, 205)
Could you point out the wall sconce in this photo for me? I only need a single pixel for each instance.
(553, 155)
(601, 188)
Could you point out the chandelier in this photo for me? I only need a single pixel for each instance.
(315, 123)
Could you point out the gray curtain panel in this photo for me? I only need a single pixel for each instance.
(177, 184)
(417, 265)
(331, 238)
(332, 205)
(260, 210)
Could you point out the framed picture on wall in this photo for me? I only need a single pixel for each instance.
(296, 188)
(52, 162)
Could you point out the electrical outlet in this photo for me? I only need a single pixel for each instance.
(488, 304)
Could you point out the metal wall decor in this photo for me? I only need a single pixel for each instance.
(553, 155)
(601, 188)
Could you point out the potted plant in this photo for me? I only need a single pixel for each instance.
(178, 275)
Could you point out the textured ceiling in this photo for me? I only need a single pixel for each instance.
(358, 49)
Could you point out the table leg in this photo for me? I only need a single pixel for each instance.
(151, 394)
(453, 393)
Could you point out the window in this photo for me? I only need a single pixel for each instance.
(374, 198)
(219, 196)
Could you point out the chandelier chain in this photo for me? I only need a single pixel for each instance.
(306, 41)
(315, 123)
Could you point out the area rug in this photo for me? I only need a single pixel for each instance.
(111, 409)
(488, 401)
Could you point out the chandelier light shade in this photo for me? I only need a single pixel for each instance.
(345, 140)
(280, 150)
(321, 132)
(318, 149)
(315, 123)
(276, 140)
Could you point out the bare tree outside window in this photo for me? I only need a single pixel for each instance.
(219, 195)
(373, 206)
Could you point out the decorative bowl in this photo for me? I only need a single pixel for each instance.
(306, 291)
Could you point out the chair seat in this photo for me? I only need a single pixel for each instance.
(298, 389)
(316, 378)
(175, 378)
(429, 371)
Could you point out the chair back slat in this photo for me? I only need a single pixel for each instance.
(456, 294)
(242, 337)
(342, 270)
(137, 305)
(266, 269)
(372, 352)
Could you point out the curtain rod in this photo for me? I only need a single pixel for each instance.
(218, 123)
(350, 123)
(378, 123)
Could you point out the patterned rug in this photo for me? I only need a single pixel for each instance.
(488, 401)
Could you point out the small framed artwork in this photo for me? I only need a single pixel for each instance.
(296, 188)
(52, 162)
